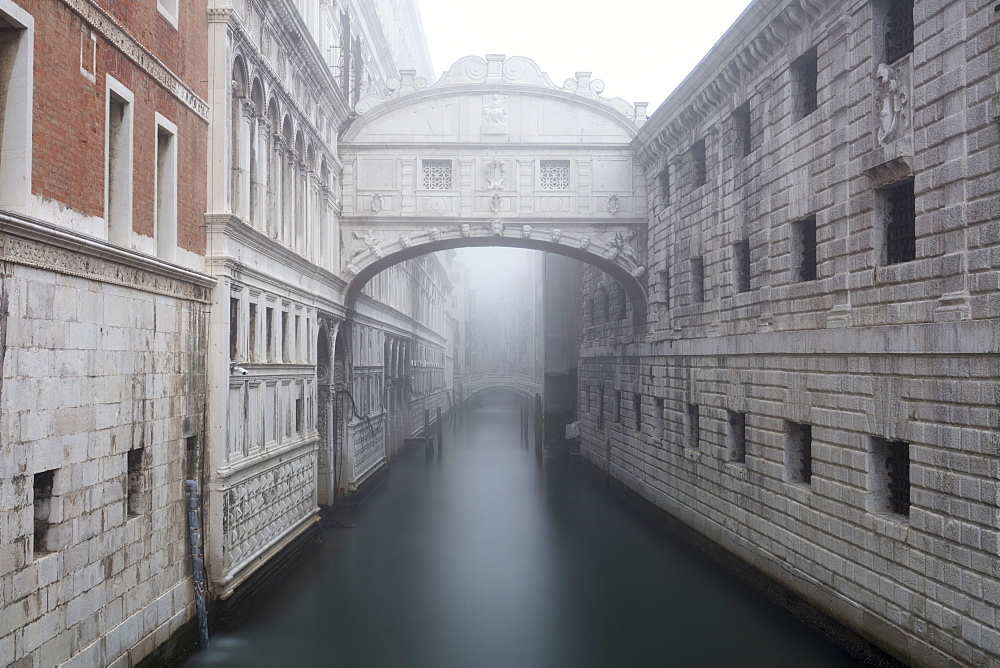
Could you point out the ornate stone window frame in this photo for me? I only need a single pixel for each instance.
(169, 10)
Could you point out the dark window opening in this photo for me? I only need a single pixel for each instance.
(284, 337)
(136, 496)
(42, 498)
(693, 426)
(804, 82)
(737, 437)
(191, 457)
(234, 329)
(658, 418)
(890, 470)
(741, 124)
(699, 169)
(665, 282)
(664, 179)
(269, 333)
(252, 333)
(600, 407)
(898, 30)
(798, 452)
(298, 416)
(622, 303)
(618, 406)
(804, 249)
(698, 279)
(637, 406)
(741, 257)
(900, 223)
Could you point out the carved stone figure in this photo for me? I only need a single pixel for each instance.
(614, 204)
(891, 102)
(495, 112)
(496, 203)
(556, 235)
(495, 172)
(496, 228)
(585, 242)
(434, 233)
(526, 232)
(371, 242)
(466, 229)
(405, 241)
(378, 203)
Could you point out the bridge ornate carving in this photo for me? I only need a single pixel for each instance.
(494, 154)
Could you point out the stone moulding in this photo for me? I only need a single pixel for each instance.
(109, 29)
(33, 243)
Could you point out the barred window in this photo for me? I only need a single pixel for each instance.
(742, 127)
(900, 222)
(898, 30)
(741, 261)
(889, 469)
(554, 174)
(804, 249)
(804, 82)
(798, 452)
(699, 170)
(437, 174)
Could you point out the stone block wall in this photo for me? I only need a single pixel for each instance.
(817, 392)
(102, 406)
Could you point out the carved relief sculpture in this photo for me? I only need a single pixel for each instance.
(434, 233)
(495, 172)
(556, 235)
(378, 203)
(526, 232)
(496, 228)
(466, 229)
(890, 103)
(496, 202)
(405, 241)
(614, 204)
(371, 242)
(495, 111)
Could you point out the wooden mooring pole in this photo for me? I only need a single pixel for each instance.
(440, 429)
(428, 448)
(539, 426)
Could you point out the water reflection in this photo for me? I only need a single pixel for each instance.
(479, 557)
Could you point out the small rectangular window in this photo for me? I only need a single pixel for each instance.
(437, 174)
(804, 249)
(42, 500)
(741, 127)
(252, 332)
(166, 188)
(699, 168)
(600, 407)
(269, 333)
(899, 219)
(798, 452)
(804, 84)
(118, 164)
(137, 495)
(285, 343)
(898, 29)
(658, 418)
(697, 279)
(297, 352)
(737, 437)
(889, 471)
(234, 329)
(191, 457)
(637, 407)
(553, 174)
(168, 9)
(741, 265)
(618, 406)
(664, 179)
(693, 426)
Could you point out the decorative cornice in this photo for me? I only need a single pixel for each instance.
(35, 243)
(110, 30)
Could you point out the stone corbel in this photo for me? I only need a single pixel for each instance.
(882, 171)
(247, 107)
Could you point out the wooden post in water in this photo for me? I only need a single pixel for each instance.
(428, 448)
(440, 429)
(539, 426)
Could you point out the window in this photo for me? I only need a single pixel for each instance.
(298, 409)
(658, 418)
(136, 494)
(804, 249)
(168, 10)
(234, 329)
(637, 407)
(699, 170)
(889, 468)
(798, 452)
(804, 76)
(118, 164)
(269, 333)
(437, 174)
(252, 333)
(618, 406)
(692, 426)
(553, 174)
(42, 499)
(697, 279)
(16, 81)
(898, 212)
(284, 337)
(296, 352)
(737, 437)
(191, 453)
(664, 179)
(741, 265)
(897, 28)
(741, 127)
(600, 407)
(665, 285)
(166, 188)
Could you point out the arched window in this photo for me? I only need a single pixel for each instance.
(236, 152)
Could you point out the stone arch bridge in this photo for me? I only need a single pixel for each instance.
(494, 154)
(518, 383)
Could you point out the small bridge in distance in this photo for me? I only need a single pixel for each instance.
(521, 384)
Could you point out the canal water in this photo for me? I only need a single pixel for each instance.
(479, 556)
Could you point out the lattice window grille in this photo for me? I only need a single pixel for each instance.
(899, 30)
(900, 229)
(805, 241)
(554, 174)
(437, 174)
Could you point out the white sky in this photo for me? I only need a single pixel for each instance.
(641, 50)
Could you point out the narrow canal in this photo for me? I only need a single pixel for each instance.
(481, 557)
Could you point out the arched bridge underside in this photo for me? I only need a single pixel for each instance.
(521, 384)
(494, 154)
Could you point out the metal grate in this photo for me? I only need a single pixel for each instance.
(805, 241)
(900, 228)
(897, 463)
(742, 252)
(805, 70)
(799, 458)
(899, 30)
(741, 122)
(698, 167)
(437, 174)
(665, 185)
(554, 174)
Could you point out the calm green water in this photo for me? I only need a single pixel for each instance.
(481, 557)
